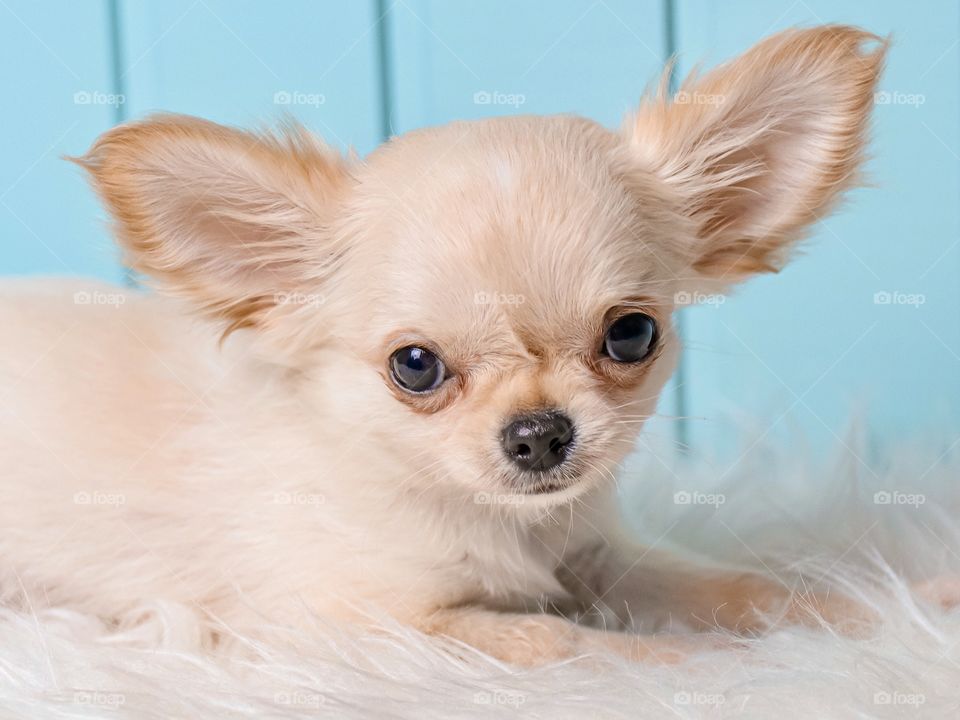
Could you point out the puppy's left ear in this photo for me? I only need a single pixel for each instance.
(761, 147)
(236, 223)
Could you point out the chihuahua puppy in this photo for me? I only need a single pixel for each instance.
(402, 384)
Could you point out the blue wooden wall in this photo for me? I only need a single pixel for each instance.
(801, 350)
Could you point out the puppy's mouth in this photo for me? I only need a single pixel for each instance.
(547, 485)
(542, 483)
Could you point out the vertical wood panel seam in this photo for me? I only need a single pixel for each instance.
(680, 392)
(114, 33)
(119, 88)
(384, 68)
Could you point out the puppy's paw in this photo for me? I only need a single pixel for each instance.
(843, 614)
(943, 591)
(672, 649)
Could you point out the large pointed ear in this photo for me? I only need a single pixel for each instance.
(234, 221)
(761, 147)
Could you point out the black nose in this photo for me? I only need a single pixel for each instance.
(538, 441)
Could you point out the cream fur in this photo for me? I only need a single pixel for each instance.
(242, 448)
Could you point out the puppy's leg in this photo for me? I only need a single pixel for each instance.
(943, 591)
(535, 639)
(636, 583)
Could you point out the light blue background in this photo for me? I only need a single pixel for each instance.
(797, 352)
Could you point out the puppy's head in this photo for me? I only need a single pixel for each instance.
(488, 305)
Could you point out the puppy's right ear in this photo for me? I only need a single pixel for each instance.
(236, 222)
(761, 147)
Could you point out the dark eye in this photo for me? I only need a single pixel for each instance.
(630, 338)
(417, 369)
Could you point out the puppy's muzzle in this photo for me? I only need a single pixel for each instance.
(538, 441)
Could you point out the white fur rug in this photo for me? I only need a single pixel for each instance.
(773, 505)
